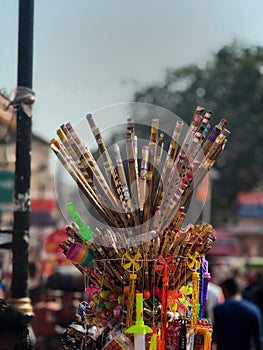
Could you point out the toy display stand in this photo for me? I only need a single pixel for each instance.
(146, 274)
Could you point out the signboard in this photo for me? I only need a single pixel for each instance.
(225, 244)
(47, 205)
(51, 244)
(6, 190)
(249, 204)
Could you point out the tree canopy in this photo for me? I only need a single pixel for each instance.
(231, 85)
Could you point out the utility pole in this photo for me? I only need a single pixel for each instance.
(23, 100)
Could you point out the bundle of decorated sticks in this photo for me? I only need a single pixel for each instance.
(144, 205)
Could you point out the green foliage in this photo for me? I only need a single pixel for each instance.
(231, 85)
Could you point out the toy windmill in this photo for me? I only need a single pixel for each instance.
(131, 265)
(193, 262)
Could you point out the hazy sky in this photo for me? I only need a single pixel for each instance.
(89, 53)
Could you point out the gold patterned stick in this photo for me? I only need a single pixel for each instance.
(133, 180)
(192, 129)
(156, 169)
(175, 202)
(214, 150)
(91, 171)
(107, 162)
(182, 162)
(142, 178)
(75, 155)
(163, 191)
(210, 140)
(147, 210)
(121, 172)
(80, 184)
(78, 170)
(204, 123)
(149, 184)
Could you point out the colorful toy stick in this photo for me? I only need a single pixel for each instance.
(159, 151)
(81, 166)
(150, 173)
(107, 162)
(139, 329)
(153, 343)
(84, 230)
(135, 149)
(134, 188)
(83, 186)
(210, 140)
(76, 138)
(204, 123)
(149, 182)
(162, 189)
(193, 262)
(209, 158)
(215, 149)
(121, 172)
(142, 179)
(203, 285)
(131, 265)
(107, 198)
(163, 267)
(156, 169)
(78, 170)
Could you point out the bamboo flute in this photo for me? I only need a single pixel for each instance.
(149, 176)
(199, 136)
(204, 123)
(189, 189)
(210, 140)
(182, 163)
(85, 161)
(121, 172)
(148, 202)
(172, 230)
(73, 149)
(149, 183)
(103, 188)
(80, 183)
(76, 157)
(78, 170)
(214, 150)
(85, 153)
(142, 178)
(172, 204)
(169, 162)
(156, 169)
(156, 158)
(192, 129)
(133, 180)
(107, 162)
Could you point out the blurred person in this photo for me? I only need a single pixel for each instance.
(237, 322)
(253, 291)
(215, 295)
(13, 327)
